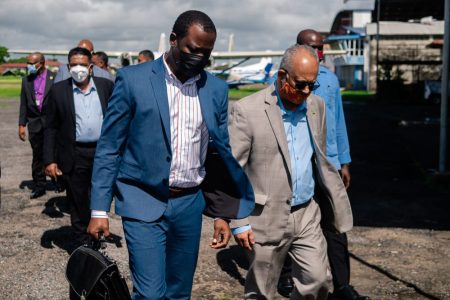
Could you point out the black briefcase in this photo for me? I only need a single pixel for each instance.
(93, 275)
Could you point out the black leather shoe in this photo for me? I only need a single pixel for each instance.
(285, 286)
(37, 193)
(347, 292)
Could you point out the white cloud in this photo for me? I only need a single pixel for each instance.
(136, 24)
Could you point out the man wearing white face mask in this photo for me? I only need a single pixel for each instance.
(74, 118)
(64, 72)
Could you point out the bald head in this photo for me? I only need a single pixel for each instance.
(36, 57)
(297, 55)
(309, 37)
(86, 44)
(313, 39)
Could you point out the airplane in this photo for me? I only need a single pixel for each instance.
(229, 71)
(251, 74)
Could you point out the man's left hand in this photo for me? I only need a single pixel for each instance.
(345, 174)
(222, 234)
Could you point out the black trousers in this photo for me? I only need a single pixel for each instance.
(78, 189)
(338, 256)
(37, 166)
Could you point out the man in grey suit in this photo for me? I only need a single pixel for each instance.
(279, 136)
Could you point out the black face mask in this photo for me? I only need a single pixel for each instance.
(191, 64)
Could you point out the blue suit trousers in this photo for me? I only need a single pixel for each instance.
(163, 254)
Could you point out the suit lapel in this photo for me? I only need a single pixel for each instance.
(48, 83)
(101, 94)
(205, 100)
(274, 115)
(30, 83)
(70, 101)
(158, 84)
(312, 117)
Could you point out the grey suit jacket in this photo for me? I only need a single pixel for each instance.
(259, 143)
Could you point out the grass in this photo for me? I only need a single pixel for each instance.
(10, 86)
(9, 92)
(351, 95)
(236, 94)
(10, 79)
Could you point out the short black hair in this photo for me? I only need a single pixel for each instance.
(189, 18)
(103, 56)
(79, 51)
(147, 53)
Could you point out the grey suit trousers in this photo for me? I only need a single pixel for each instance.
(304, 242)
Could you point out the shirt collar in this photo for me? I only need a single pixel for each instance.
(284, 111)
(91, 87)
(42, 75)
(171, 76)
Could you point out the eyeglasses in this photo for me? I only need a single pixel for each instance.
(300, 85)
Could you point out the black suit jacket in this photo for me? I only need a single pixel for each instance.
(29, 112)
(59, 133)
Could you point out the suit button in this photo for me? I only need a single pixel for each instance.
(168, 158)
(288, 201)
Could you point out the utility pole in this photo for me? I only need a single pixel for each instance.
(444, 90)
(378, 48)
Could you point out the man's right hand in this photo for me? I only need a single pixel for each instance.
(97, 225)
(22, 134)
(245, 239)
(52, 170)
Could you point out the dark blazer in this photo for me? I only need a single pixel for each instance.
(59, 133)
(133, 156)
(29, 112)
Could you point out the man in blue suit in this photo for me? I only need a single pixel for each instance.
(164, 155)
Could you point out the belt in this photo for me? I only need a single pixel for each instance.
(86, 144)
(300, 206)
(175, 192)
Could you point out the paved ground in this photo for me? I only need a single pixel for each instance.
(400, 246)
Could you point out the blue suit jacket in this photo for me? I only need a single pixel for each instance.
(133, 156)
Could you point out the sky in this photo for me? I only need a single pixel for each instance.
(134, 25)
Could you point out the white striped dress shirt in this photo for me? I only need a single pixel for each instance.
(188, 132)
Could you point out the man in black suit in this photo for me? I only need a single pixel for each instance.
(33, 102)
(75, 113)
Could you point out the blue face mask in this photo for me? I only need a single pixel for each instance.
(31, 69)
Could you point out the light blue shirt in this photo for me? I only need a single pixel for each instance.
(301, 150)
(88, 113)
(338, 150)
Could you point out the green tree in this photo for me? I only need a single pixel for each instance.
(3, 54)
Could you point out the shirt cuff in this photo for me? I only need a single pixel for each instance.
(241, 229)
(344, 159)
(99, 214)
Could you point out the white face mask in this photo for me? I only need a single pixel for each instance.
(79, 73)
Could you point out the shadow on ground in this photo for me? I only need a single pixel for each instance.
(56, 207)
(230, 260)
(64, 238)
(49, 186)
